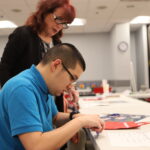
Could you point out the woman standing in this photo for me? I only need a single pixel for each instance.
(28, 43)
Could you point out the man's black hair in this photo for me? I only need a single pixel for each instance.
(68, 53)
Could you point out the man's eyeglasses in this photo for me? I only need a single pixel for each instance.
(58, 20)
(70, 74)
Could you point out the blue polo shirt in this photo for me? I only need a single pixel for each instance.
(25, 106)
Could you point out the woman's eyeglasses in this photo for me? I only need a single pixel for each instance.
(58, 20)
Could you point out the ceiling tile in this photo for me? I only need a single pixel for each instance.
(98, 20)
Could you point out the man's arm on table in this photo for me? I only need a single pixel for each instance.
(56, 138)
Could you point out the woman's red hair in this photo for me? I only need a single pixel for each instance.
(36, 20)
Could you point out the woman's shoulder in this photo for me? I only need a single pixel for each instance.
(25, 30)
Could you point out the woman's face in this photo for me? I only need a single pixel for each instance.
(55, 22)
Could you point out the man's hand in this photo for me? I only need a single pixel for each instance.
(92, 121)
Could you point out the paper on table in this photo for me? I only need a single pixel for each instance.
(147, 119)
(84, 104)
(129, 138)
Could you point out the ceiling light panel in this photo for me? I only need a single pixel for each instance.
(78, 22)
(141, 20)
(7, 24)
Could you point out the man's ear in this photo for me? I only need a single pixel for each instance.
(55, 64)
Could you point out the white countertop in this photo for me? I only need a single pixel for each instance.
(118, 104)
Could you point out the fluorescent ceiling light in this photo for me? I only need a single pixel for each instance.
(7, 24)
(78, 22)
(141, 20)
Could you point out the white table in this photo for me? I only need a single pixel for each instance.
(120, 104)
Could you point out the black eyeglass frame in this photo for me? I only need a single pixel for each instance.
(70, 74)
(58, 21)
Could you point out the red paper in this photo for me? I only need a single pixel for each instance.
(123, 125)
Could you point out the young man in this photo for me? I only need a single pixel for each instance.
(27, 109)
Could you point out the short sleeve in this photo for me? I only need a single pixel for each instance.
(23, 111)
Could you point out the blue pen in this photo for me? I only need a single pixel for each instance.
(97, 133)
(115, 114)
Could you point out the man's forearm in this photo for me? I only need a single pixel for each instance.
(55, 139)
(52, 139)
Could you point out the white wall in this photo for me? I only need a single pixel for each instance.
(133, 52)
(3, 41)
(103, 59)
(133, 67)
(120, 60)
(142, 57)
(96, 51)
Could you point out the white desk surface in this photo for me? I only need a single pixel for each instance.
(119, 104)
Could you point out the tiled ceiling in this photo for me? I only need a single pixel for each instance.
(101, 15)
